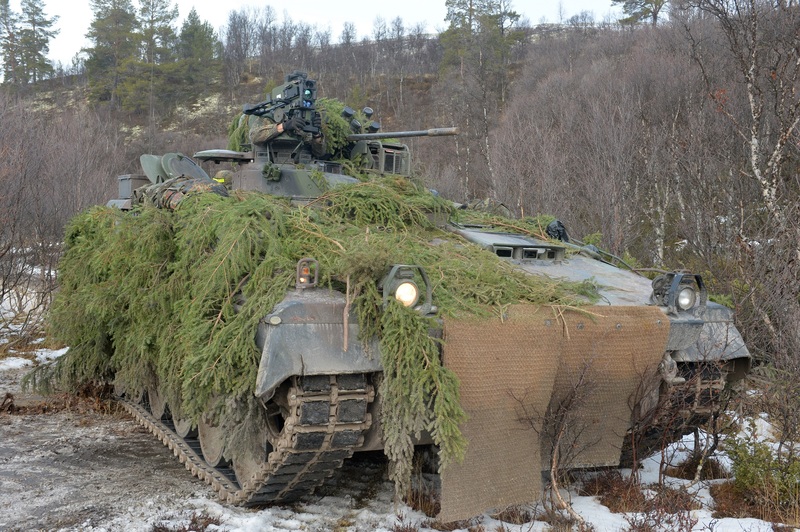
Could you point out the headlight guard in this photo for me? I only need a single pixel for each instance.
(679, 292)
(403, 284)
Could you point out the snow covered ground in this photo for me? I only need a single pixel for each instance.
(89, 470)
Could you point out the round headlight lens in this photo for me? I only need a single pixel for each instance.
(686, 298)
(407, 293)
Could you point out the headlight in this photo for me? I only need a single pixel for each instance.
(686, 298)
(679, 292)
(407, 293)
(403, 283)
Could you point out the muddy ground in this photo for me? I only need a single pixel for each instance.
(86, 465)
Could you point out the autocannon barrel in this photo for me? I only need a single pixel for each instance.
(435, 132)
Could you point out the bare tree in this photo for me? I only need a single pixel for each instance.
(238, 37)
(41, 190)
(760, 40)
(266, 39)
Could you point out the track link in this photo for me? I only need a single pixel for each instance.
(326, 422)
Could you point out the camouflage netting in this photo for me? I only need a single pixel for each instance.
(536, 380)
(176, 297)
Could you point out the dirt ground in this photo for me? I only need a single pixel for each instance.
(89, 466)
(78, 467)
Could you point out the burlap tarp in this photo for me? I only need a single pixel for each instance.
(516, 372)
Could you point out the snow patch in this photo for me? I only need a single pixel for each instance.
(10, 363)
(46, 355)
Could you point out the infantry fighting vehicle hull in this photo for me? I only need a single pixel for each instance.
(318, 376)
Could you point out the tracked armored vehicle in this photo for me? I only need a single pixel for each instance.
(658, 353)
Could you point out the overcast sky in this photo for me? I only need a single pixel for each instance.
(74, 17)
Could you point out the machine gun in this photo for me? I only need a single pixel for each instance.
(296, 97)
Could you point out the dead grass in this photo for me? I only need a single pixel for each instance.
(25, 345)
(403, 526)
(90, 398)
(730, 501)
(667, 508)
(16, 346)
(7, 404)
(343, 524)
(558, 522)
(624, 495)
(455, 525)
(423, 496)
(20, 344)
(617, 493)
(516, 515)
(198, 523)
(673, 500)
(687, 469)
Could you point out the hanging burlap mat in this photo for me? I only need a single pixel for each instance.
(513, 371)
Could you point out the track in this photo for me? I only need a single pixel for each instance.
(682, 409)
(322, 422)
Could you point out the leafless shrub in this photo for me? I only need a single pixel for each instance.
(680, 409)
(660, 507)
(661, 521)
(560, 431)
(52, 164)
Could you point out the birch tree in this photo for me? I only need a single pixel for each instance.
(762, 40)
